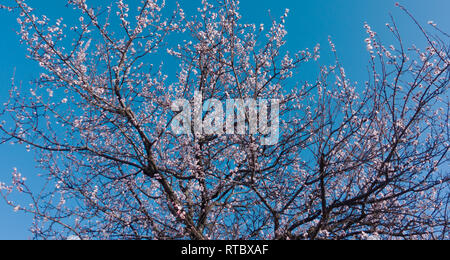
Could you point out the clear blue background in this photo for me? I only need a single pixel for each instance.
(310, 22)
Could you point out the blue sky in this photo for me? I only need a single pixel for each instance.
(310, 22)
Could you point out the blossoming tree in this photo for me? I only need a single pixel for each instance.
(352, 161)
